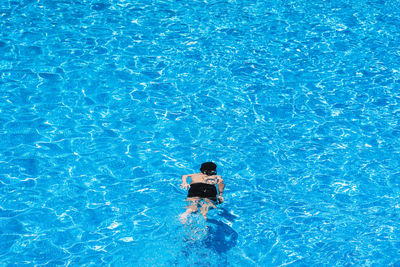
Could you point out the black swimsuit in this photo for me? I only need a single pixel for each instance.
(203, 190)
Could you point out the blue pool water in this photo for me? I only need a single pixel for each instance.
(105, 104)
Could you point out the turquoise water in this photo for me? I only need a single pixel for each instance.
(105, 104)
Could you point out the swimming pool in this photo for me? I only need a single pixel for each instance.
(105, 104)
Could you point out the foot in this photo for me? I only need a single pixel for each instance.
(184, 217)
(204, 213)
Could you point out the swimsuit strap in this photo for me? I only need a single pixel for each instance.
(214, 180)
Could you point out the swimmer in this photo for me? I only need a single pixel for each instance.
(202, 190)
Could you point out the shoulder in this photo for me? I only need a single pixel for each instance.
(196, 175)
(193, 174)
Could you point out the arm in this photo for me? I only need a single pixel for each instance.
(221, 187)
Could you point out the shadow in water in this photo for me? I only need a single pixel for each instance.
(206, 242)
(220, 236)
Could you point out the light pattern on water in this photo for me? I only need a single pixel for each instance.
(105, 104)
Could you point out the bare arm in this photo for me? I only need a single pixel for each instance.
(221, 187)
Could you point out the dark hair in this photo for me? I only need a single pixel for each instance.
(209, 168)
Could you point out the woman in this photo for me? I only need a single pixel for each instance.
(202, 190)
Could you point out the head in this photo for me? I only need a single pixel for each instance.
(209, 168)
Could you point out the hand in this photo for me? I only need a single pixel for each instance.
(221, 199)
(185, 185)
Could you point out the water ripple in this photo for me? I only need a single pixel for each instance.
(103, 105)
